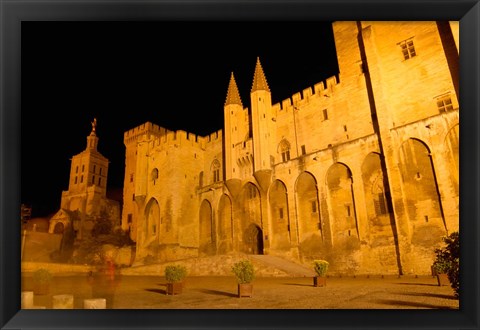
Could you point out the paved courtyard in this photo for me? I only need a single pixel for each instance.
(220, 292)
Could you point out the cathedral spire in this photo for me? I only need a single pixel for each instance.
(259, 80)
(233, 96)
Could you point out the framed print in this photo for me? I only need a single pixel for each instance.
(239, 164)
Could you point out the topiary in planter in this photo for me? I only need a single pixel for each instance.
(245, 274)
(175, 274)
(321, 268)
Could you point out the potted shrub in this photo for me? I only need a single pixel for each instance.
(440, 270)
(175, 274)
(244, 273)
(321, 268)
(41, 281)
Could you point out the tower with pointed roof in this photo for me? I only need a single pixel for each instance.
(235, 130)
(261, 119)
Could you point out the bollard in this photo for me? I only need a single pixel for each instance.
(97, 303)
(62, 301)
(27, 299)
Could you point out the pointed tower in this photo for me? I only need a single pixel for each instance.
(233, 130)
(261, 117)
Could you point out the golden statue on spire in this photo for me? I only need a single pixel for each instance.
(94, 125)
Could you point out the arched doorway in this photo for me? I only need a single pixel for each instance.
(59, 228)
(254, 239)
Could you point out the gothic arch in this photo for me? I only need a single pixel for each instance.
(59, 228)
(152, 220)
(375, 191)
(207, 242)
(215, 170)
(279, 216)
(308, 210)
(342, 203)
(421, 193)
(284, 149)
(250, 215)
(225, 225)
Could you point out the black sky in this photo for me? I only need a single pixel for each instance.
(174, 74)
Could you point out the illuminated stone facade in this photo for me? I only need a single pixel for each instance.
(360, 169)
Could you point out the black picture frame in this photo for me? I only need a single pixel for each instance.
(14, 12)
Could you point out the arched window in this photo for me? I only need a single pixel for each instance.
(154, 175)
(215, 170)
(284, 149)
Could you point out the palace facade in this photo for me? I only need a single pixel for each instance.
(361, 169)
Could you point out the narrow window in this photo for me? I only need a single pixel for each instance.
(325, 114)
(131, 177)
(129, 218)
(81, 179)
(100, 171)
(380, 204)
(408, 49)
(83, 168)
(75, 180)
(133, 197)
(348, 210)
(76, 170)
(100, 182)
(94, 168)
(280, 212)
(304, 151)
(314, 207)
(93, 179)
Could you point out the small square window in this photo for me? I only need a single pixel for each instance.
(444, 104)
(408, 49)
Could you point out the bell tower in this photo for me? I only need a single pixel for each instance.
(88, 174)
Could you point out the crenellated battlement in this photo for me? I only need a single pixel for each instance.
(157, 136)
(323, 88)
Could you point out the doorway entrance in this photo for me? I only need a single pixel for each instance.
(254, 239)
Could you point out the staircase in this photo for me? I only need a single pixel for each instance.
(291, 268)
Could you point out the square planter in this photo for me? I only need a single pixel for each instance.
(245, 290)
(319, 281)
(174, 288)
(443, 280)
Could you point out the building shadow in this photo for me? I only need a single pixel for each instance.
(422, 284)
(397, 304)
(298, 284)
(217, 293)
(161, 291)
(433, 295)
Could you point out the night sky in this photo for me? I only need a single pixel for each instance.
(174, 74)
